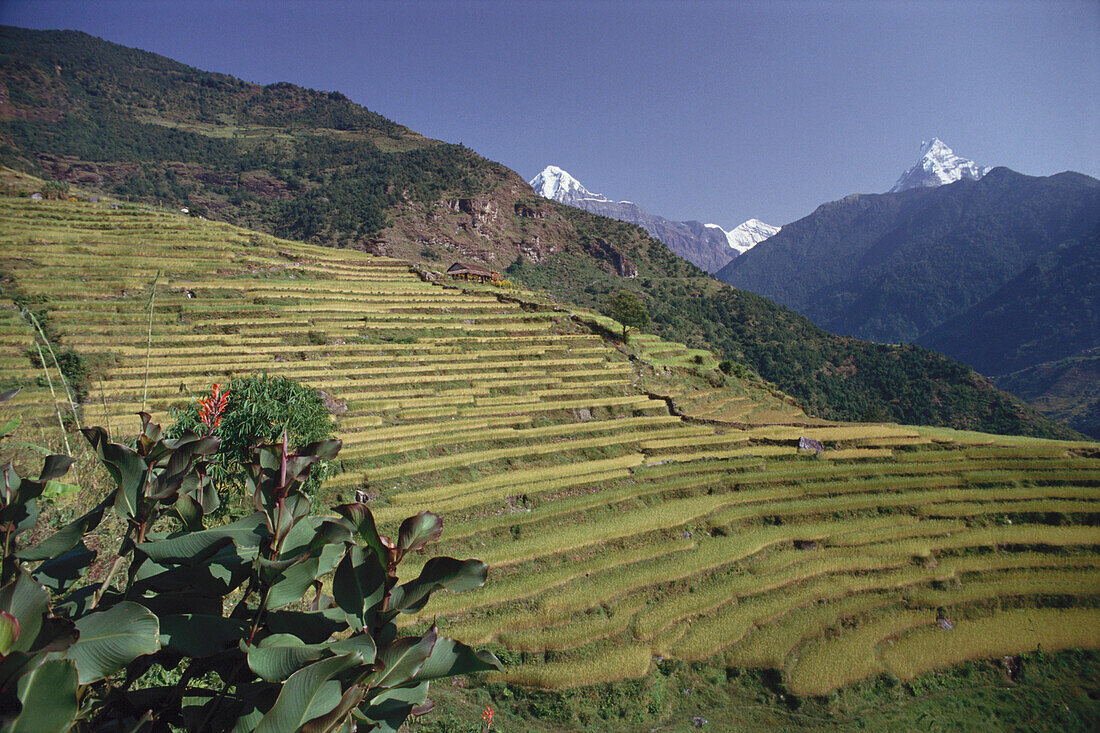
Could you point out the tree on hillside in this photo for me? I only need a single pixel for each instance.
(629, 310)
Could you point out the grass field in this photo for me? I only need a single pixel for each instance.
(618, 531)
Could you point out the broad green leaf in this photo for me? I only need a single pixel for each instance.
(309, 693)
(403, 658)
(57, 489)
(293, 583)
(48, 696)
(324, 450)
(111, 639)
(68, 536)
(358, 584)
(27, 601)
(200, 635)
(359, 516)
(418, 531)
(9, 632)
(329, 721)
(62, 571)
(281, 655)
(450, 658)
(439, 573)
(10, 425)
(193, 547)
(312, 627)
(126, 467)
(5, 396)
(55, 466)
(390, 709)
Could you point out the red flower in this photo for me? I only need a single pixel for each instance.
(487, 716)
(212, 407)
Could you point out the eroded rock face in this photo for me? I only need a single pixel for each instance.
(607, 253)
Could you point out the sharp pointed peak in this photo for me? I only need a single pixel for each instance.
(938, 165)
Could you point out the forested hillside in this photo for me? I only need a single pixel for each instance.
(892, 267)
(314, 166)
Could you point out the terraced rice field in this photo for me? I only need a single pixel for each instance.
(619, 530)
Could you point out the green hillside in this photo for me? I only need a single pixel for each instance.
(892, 267)
(631, 548)
(314, 166)
(1048, 312)
(1067, 389)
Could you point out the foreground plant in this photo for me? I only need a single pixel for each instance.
(222, 628)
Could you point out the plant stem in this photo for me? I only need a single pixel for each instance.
(53, 396)
(64, 381)
(149, 341)
(106, 414)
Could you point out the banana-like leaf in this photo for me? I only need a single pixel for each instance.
(27, 601)
(10, 425)
(389, 709)
(55, 466)
(402, 659)
(358, 584)
(48, 696)
(312, 627)
(281, 655)
(111, 639)
(309, 693)
(359, 517)
(418, 531)
(68, 536)
(127, 468)
(439, 573)
(325, 450)
(56, 489)
(9, 632)
(450, 658)
(200, 635)
(328, 722)
(194, 547)
(293, 583)
(5, 396)
(60, 572)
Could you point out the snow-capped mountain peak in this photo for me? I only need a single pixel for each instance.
(556, 183)
(938, 165)
(747, 234)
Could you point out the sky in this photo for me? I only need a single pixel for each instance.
(714, 111)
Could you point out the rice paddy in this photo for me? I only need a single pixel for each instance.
(618, 529)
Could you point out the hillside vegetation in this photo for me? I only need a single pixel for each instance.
(619, 533)
(314, 166)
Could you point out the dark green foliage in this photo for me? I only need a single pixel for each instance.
(1050, 311)
(219, 628)
(628, 309)
(143, 116)
(831, 376)
(260, 407)
(1067, 390)
(892, 267)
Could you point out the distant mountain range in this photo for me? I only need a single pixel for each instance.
(989, 266)
(708, 246)
(314, 166)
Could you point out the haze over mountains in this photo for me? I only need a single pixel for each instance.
(708, 246)
(314, 166)
(985, 265)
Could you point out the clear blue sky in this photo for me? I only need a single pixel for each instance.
(715, 111)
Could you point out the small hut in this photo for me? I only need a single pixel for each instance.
(36, 196)
(461, 271)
